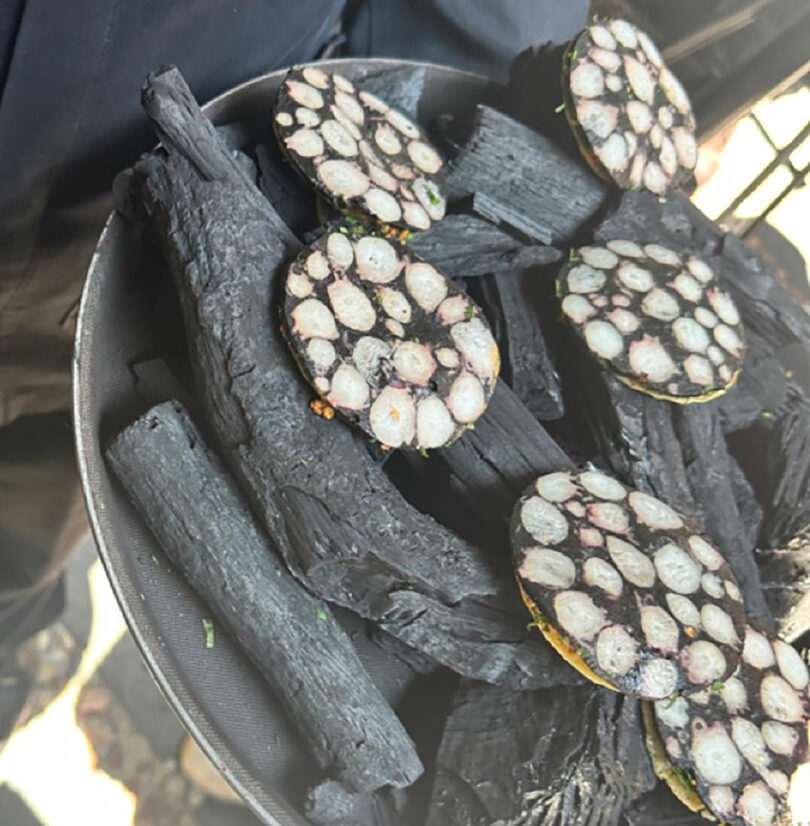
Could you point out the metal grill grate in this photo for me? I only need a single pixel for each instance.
(782, 159)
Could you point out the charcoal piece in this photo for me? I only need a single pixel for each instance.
(400, 87)
(507, 448)
(531, 372)
(563, 758)
(624, 587)
(463, 637)
(714, 478)
(786, 582)
(631, 116)
(358, 151)
(387, 340)
(179, 123)
(742, 740)
(284, 189)
(766, 306)
(418, 662)
(325, 502)
(634, 434)
(788, 471)
(462, 246)
(534, 93)
(644, 218)
(521, 179)
(656, 317)
(332, 804)
(761, 388)
(235, 136)
(176, 483)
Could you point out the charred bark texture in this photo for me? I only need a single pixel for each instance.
(462, 246)
(522, 180)
(563, 758)
(532, 374)
(177, 483)
(786, 580)
(507, 449)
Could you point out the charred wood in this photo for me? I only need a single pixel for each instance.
(176, 482)
(563, 758)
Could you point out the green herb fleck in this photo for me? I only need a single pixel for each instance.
(572, 254)
(684, 776)
(208, 627)
(322, 615)
(423, 452)
(433, 197)
(718, 685)
(560, 108)
(672, 700)
(305, 462)
(469, 313)
(470, 426)
(766, 414)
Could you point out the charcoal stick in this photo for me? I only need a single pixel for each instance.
(177, 483)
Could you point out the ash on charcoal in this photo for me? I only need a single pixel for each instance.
(463, 246)
(564, 758)
(522, 180)
(324, 502)
(742, 739)
(386, 339)
(623, 586)
(332, 804)
(358, 150)
(308, 660)
(630, 115)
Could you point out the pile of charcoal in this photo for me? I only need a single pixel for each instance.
(538, 428)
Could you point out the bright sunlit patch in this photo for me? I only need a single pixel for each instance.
(49, 762)
(746, 152)
(799, 797)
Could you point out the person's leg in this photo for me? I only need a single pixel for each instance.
(41, 520)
